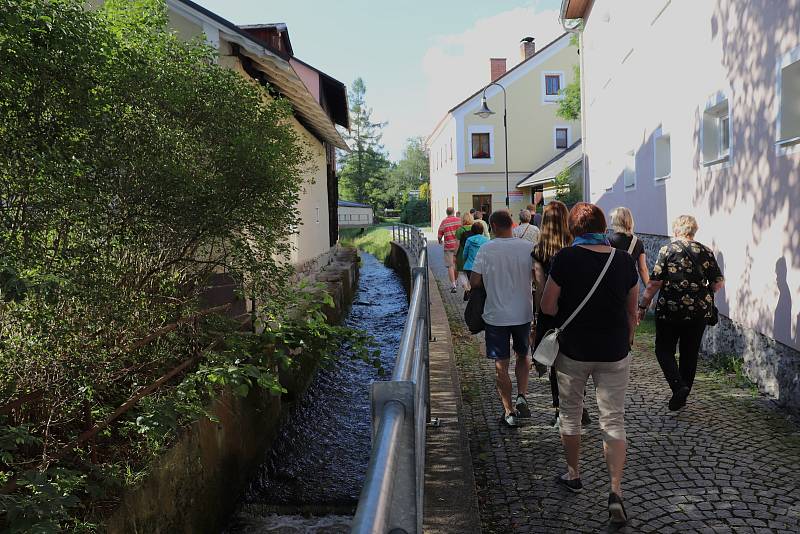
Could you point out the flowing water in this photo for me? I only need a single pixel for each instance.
(311, 479)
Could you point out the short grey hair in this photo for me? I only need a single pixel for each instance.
(524, 216)
(684, 226)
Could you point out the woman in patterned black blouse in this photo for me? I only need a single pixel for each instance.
(686, 276)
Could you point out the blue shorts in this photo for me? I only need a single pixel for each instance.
(497, 346)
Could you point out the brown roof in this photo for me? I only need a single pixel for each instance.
(574, 9)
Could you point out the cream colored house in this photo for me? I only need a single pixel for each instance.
(467, 152)
(716, 136)
(264, 54)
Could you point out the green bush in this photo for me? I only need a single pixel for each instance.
(132, 168)
(415, 212)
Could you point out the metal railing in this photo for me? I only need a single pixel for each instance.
(392, 496)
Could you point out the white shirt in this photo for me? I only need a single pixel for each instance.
(528, 232)
(505, 264)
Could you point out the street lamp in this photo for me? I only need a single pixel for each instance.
(484, 113)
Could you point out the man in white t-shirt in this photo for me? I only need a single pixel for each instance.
(504, 266)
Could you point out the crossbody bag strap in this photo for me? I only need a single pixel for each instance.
(591, 291)
(634, 239)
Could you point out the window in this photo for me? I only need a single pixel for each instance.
(716, 132)
(629, 173)
(552, 84)
(562, 138)
(663, 155)
(480, 146)
(788, 98)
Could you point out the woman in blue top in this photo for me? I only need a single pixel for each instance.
(471, 248)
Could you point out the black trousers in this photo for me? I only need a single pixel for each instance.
(686, 336)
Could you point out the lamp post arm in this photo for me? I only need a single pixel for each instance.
(505, 136)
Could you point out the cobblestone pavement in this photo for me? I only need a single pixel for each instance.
(726, 463)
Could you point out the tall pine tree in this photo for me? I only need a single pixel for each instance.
(365, 166)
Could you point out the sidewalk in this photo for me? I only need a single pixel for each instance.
(726, 463)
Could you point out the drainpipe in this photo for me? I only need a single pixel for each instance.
(575, 26)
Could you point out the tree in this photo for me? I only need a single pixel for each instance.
(365, 166)
(408, 174)
(570, 107)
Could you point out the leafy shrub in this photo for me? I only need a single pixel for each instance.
(416, 211)
(132, 168)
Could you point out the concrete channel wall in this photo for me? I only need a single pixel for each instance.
(196, 485)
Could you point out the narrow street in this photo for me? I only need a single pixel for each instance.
(727, 463)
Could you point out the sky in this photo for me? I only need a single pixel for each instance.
(418, 58)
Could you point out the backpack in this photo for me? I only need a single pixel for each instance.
(473, 313)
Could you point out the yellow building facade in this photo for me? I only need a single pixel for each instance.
(467, 152)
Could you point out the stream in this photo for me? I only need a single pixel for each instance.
(311, 479)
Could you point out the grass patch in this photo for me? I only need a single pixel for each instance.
(730, 368)
(647, 326)
(374, 240)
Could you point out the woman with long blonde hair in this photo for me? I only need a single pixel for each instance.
(553, 236)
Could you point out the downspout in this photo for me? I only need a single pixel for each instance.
(576, 27)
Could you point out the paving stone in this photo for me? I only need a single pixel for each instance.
(726, 463)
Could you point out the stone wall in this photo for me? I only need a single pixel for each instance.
(774, 367)
(196, 485)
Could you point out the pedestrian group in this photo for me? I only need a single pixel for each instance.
(571, 278)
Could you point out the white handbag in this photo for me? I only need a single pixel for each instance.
(547, 351)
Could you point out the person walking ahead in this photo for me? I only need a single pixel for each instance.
(447, 235)
(596, 343)
(503, 266)
(687, 276)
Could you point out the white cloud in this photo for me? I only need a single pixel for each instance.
(457, 65)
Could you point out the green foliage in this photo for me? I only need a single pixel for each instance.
(364, 168)
(416, 211)
(568, 186)
(408, 174)
(569, 107)
(375, 240)
(425, 191)
(132, 169)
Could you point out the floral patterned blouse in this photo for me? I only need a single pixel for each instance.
(685, 294)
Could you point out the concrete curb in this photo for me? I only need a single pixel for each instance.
(451, 502)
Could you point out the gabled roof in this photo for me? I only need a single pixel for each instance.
(349, 204)
(563, 160)
(277, 71)
(275, 34)
(534, 58)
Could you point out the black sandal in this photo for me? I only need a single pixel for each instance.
(616, 510)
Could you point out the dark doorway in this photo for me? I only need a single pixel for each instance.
(482, 203)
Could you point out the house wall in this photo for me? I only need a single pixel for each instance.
(531, 134)
(352, 216)
(312, 239)
(653, 68)
(531, 120)
(442, 151)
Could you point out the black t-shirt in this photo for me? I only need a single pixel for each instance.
(543, 322)
(622, 241)
(600, 332)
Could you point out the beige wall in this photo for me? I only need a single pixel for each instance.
(653, 68)
(531, 121)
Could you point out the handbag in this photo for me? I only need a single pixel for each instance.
(473, 313)
(547, 351)
(713, 319)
